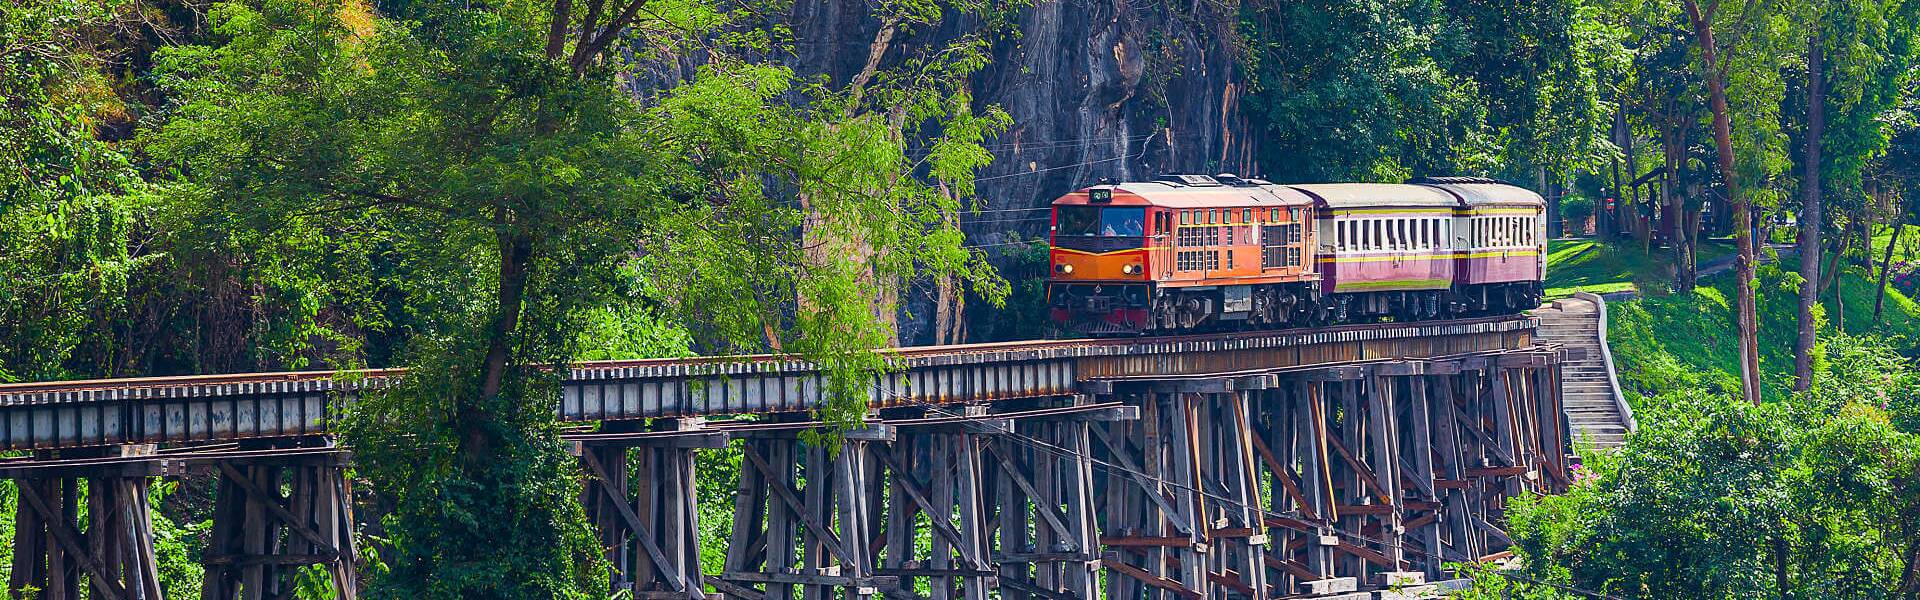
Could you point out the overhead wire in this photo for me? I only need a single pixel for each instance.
(1143, 152)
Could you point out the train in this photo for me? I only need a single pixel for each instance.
(1198, 253)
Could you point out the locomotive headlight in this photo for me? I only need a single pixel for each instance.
(1065, 269)
(1130, 269)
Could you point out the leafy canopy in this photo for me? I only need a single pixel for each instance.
(524, 183)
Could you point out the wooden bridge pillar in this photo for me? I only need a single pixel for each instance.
(1042, 479)
(112, 552)
(1155, 525)
(936, 473)
(261, 536)
(1290, 437)
(640, 496)
(802, 519)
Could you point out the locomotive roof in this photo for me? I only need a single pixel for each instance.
(1487, 193)
(1370, 195)
(1155, 193)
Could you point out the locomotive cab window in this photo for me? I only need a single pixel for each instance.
(1092, 221)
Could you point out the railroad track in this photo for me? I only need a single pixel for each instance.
(43, 391)
(224, 408)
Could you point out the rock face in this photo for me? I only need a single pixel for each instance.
(1096, 88)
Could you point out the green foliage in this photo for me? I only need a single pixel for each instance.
(65, 216)
(1489, 583)
(1717, 498)
(1654, 361)
(530, 209)
(177, 547)
(1576, 209)
(1378, 91)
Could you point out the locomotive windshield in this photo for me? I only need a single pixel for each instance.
(1096, 221)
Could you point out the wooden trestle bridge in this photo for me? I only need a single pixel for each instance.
(1249, 465)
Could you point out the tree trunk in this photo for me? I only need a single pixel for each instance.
(1673, 212)
(1810, 219)
(475, 418)
(1603, 209)
(1886, 263)
(1840, 245)
(1909, 585)
(1780, 579)
(1554, 223)
(1744, 320)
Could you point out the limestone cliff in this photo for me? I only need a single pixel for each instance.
(1096, 89)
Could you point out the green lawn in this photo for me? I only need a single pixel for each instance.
(1686, 341)
(1586, 265)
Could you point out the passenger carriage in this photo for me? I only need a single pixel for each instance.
(1384, 248)
(1502, 259)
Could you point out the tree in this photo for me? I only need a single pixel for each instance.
(1813, 497)
(1747, 162)
(1810, 217)
(525, 163)
(65, 217)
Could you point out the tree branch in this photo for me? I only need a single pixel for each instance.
(557, 33)
(605, 37)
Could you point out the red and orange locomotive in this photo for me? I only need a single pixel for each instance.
(1193, 252)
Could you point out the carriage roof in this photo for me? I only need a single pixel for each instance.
(1375, 195)
(1491, 194)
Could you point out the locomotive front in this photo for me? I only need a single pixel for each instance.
(1099, 261)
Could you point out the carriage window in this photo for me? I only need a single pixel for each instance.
(1246, 215)
(1273, 215)
(1213, 216)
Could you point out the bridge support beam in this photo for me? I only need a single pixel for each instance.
(112, 552)
(640, 496)
(1253, 485)
(1042, 477)
(803, 519)
(262, 537)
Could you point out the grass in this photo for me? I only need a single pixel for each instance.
(1575, 265)
(1686, 341)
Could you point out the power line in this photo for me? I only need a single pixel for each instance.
(1143, 152)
